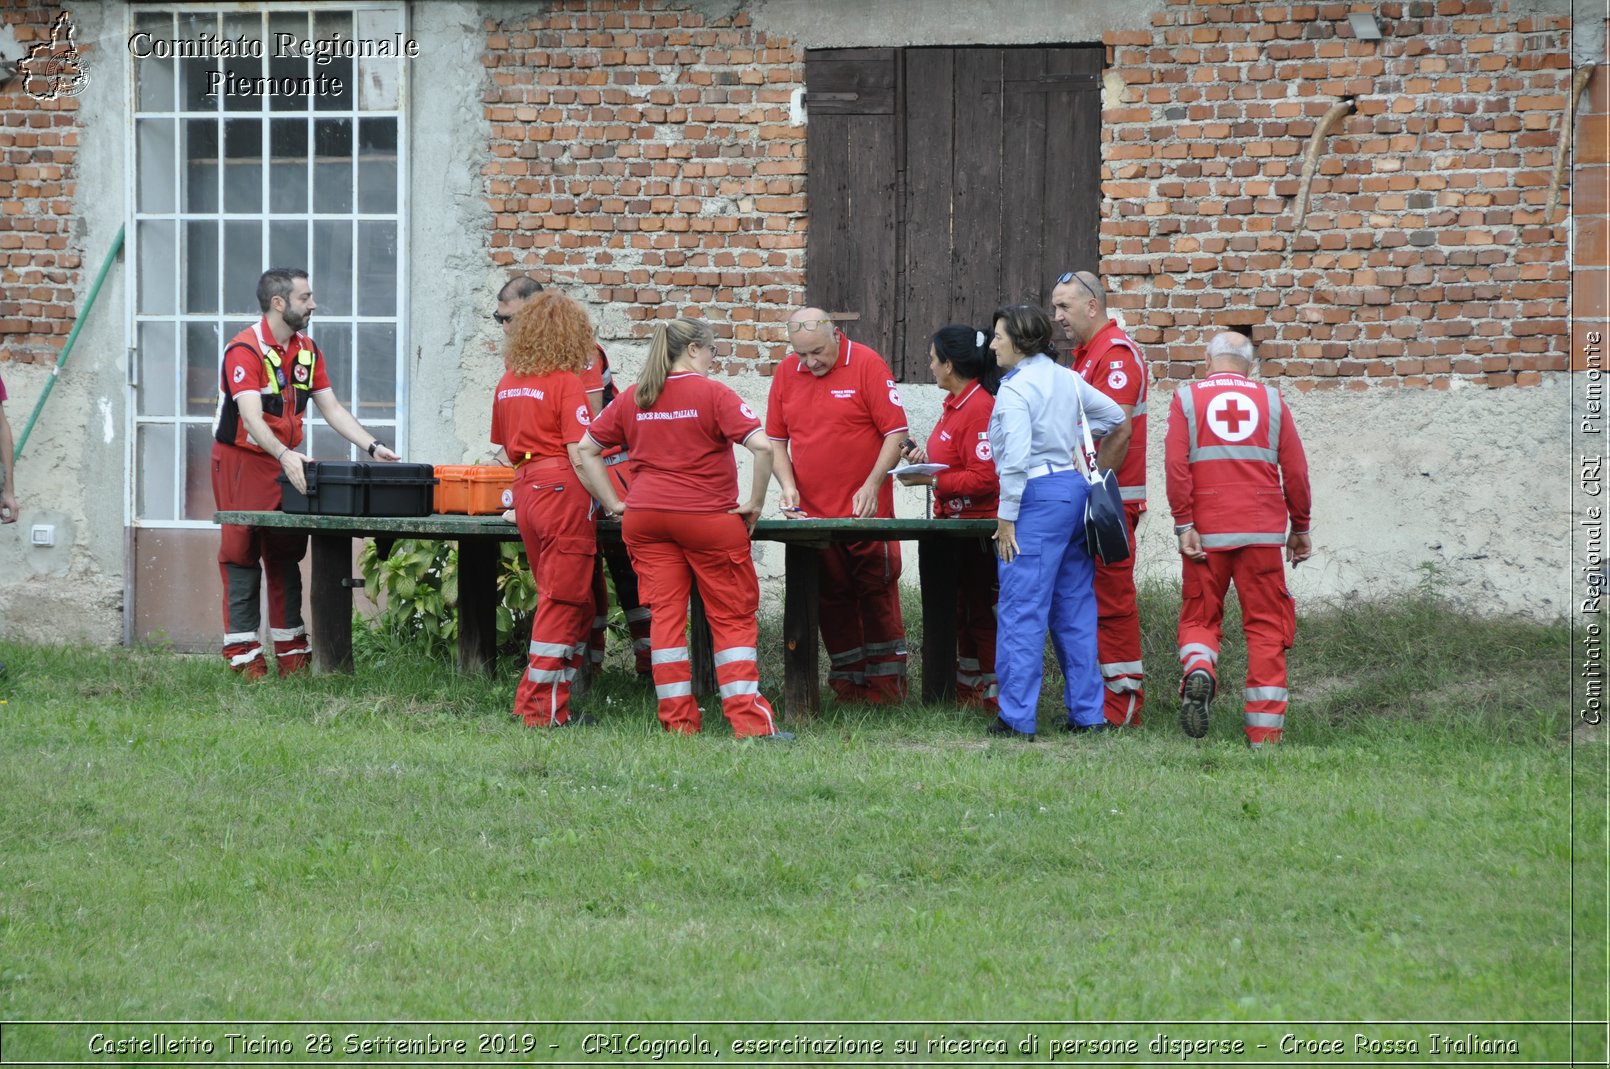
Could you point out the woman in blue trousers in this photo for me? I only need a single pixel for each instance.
(1046, 574)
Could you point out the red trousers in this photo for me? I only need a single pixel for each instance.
(672, 550)
(247, 479)
(977, 585)
(630, 601)
(626, 595)
(859, 616)
(553, 513)
(1118, 633)
(1268, 616)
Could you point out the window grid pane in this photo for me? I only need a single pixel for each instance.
(237, 193)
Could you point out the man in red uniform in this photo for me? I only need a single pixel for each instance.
(1110, 361)
(1236, 475)
(270, 371)
(836, 424)
(599, 383)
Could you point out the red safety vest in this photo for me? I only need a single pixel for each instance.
(1111, 362)
(287, 373)
(1238, 441)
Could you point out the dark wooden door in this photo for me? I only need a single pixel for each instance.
(852, 151)
(981, 186)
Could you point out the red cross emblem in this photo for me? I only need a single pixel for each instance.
(1232, 417)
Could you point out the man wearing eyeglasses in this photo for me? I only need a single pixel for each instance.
(836, 423)
(599, 383)
(1109, 360)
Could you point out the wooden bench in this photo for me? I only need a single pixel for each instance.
(477, 537)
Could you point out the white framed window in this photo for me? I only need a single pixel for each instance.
(226, 183)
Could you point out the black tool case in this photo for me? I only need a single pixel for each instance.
(362, 488)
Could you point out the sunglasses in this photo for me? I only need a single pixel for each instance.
(1073, 276)
(500, 319)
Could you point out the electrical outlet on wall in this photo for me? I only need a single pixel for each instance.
(43, 534)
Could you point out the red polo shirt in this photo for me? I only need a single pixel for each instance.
(536, 416)
(681, 448)
(835, 426)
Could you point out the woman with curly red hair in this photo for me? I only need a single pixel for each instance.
(539, 413)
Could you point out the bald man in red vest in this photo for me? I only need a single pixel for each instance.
(1238, 488)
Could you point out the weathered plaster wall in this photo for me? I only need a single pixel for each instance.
(453, 367)
(1409, 486)
(1413, 480)
(875, 24)
(71, 474)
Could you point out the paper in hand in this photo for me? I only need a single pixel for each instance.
(919, 469)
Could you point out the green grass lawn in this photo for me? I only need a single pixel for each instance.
(178, 844)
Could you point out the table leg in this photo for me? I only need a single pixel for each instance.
(701, 647)
(477, 604)
(331, 602)
(936, 561)
(802, 685)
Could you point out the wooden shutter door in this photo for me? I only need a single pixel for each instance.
(852, 162)
(1050, 168)
(944, 182)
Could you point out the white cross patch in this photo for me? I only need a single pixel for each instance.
(1232, 417)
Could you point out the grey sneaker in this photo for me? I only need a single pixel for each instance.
(776, 736)
(1198, 694)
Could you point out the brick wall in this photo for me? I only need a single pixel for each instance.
(1425, 257)
(39, 261)
(643, 157)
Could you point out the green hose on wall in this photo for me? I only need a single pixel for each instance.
(67, 350)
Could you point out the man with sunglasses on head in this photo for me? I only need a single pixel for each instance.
(836, 424)
(599, 384)
(1109, 360)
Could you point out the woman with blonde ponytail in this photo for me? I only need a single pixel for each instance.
(658, 368)
(682, 521)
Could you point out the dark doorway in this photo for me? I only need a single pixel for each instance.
(944, 182)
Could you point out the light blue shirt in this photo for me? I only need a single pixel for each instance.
(1036, 422)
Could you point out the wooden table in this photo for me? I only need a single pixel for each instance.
(477, 537)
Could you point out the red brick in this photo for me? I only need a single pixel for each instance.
(1590, 294)
(1591, 242)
